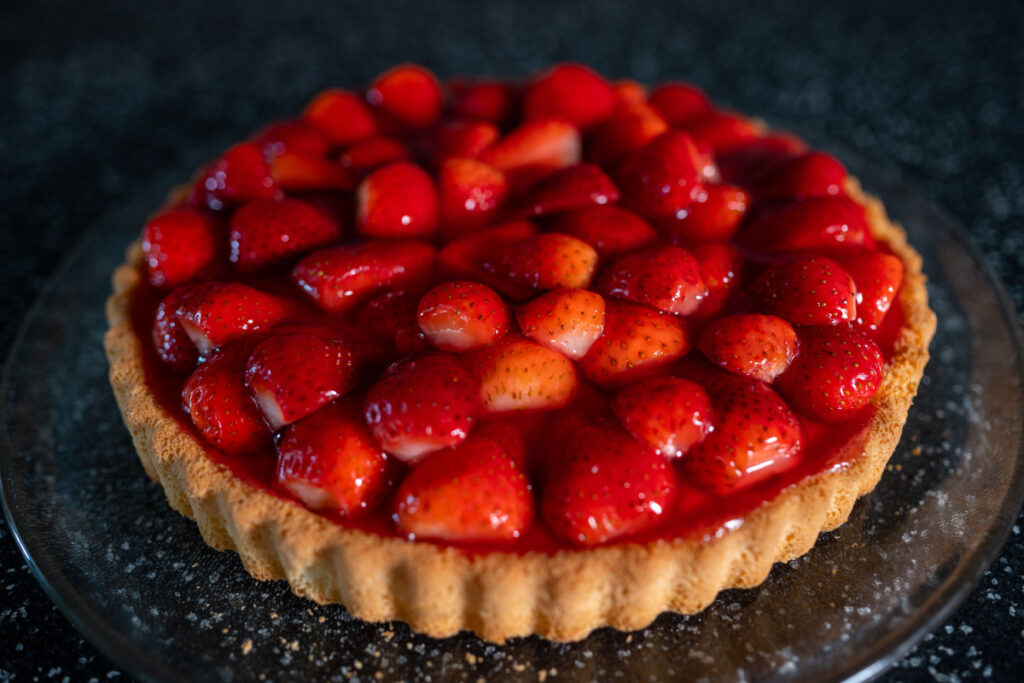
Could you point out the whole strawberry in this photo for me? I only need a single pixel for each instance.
(837, 373)
(398, 200)
(462, 315)
(823, 222)
(291, 375)
(178, 246)
(476, 491)
(240, 175)
(669, 414)
(544, 262)
(570, 92)
(757, 346)
(610, 230)
(329, 461)
(667, 278)
(606, 485)
(807, 291)
(659, 179)
(340, 115)
(265, 233)
(339, 278)
(422, 404)
(220, 406)
(520, 374)
(637, 340)
(407, 94)
(214, 314)
(756, 436)
(565, 320)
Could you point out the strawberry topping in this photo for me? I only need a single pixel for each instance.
(461, 315)
(178, 246)
(268, 232)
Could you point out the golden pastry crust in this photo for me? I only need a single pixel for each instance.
(563, 596)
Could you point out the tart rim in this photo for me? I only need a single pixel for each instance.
(562, 596)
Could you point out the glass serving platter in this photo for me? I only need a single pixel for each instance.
(138, 581)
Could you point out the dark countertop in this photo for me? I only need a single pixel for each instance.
(98, 98)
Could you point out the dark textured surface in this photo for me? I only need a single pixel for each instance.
(97, 99)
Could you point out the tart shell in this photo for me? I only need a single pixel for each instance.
(498, 595)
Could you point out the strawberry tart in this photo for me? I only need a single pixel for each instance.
(518, 358)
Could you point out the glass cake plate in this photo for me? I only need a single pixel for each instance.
(138, 581)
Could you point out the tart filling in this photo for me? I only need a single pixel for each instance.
(517, 358)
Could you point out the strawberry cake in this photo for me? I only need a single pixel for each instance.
(518, 358)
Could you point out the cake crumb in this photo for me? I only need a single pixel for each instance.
(916, 451)
(542, 675)
(471, 658)
(322, 619)
(388, 635)
(357, 664)
(247, 646)
(629, 639)
(519, 667)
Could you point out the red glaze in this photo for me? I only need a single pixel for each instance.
(576, 351)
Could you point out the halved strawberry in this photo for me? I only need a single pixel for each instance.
(341, 115)
(338, 278)
(715, 214)
(659, 178)
(566, 320)
(757, 346)
(637, 340)
(878, 277)
(535, 148)
(470, 194)
(464, 257)
(669, 414)
(169, 339)
(606, 485)
(751, 161)
(390, 318)
(679, 103)
(837, 372)
(178, 246)
(329, 461)
(574, 187)
(807, 291)
(667, 278)
(215, 314)
(294, 172)
(268, 232)
(812, 223)
(240, 175)
(570, 92)
(422, 404)
(369, 153)
(629, 128)
(812, 174)
(465, 139)
(408, 94)
(462, 315)
(545, 261)
(220, 406)
(756, 436)
(610, 230)
(291, 375)
(476, 491)
(494, 101)
(722, 131)
(519, 374)
(294, 136)
(721, 267)
(398, 200)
